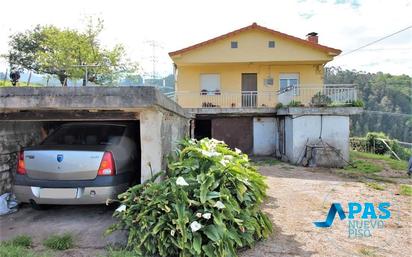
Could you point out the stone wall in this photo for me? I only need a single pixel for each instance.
(13, 136)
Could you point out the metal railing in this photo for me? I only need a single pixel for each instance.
(227, 99)
(315, 95)
(305, 94)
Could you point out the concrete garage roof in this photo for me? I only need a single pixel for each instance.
(128, 99)
(339, 111)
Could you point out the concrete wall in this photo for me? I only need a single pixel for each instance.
(306, 129)
(13, 136)
(253, 47)
(159, 134)
(188, 82)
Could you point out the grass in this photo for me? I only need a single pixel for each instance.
(394, 164)
(375, 186)
(22, 240)
(367, 252)
(59, 242)
(363, 166)
(405, 190)
(19, 247)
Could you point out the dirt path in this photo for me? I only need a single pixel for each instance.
(299, 196)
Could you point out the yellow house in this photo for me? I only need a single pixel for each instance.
(249, 67)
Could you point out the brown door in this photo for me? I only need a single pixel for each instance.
(249, 89)
(235, 132)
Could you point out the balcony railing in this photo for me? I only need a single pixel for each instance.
(244, 99)
(312, 95)
(305, 94)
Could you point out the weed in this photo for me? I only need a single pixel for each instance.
(59, 242)
(22, 240)
(405, 190)
(7, 249)
(367, 252)
(375, 186)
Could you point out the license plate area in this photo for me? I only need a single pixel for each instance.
(58, 193)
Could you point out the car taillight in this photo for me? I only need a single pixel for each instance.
(107, 167)
(21, 168)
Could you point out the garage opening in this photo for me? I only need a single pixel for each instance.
(203, 128)
(76, 143)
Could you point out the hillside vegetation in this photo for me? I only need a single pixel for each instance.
(380, 92)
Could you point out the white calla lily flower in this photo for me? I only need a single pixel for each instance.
(219, 205)
(207, 215)
(180, 181)
(195, 226)
(121, 208)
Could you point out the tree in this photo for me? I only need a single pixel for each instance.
(379, 91)
(67, 53)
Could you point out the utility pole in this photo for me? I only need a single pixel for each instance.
(154, 58)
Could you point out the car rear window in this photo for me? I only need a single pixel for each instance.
(86, 135)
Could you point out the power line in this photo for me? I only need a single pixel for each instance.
(375, 41)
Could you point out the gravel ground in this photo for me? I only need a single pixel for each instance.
(86, 223)
(297, 196)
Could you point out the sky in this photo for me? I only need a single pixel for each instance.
(342, 24)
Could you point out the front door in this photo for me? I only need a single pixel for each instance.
(249, 89)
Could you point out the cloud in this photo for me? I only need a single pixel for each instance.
(344, 24)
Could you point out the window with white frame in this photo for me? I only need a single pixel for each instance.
(288, 80)
(210, 84)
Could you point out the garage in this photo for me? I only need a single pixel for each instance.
(28, 115)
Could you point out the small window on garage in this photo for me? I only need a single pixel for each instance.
(271, 44)
(233, 44)
(210, 84)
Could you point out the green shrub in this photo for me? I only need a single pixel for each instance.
(320, 99)
(59, 242)
(207, 205)
(294, 103)
(358, 103)
(374, 143)
(278, 106)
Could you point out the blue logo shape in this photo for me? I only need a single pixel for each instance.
(60, 157)
(334, 208)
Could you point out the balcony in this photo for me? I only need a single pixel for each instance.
(303, 95)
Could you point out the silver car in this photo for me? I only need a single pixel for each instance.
(79, 163)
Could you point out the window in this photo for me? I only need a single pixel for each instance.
(271, 44)
(233, 44)
(210, 84)
(288, 80)
(86, 134)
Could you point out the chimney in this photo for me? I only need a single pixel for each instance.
(312, 37)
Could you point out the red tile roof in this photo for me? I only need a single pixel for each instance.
(261, 28)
